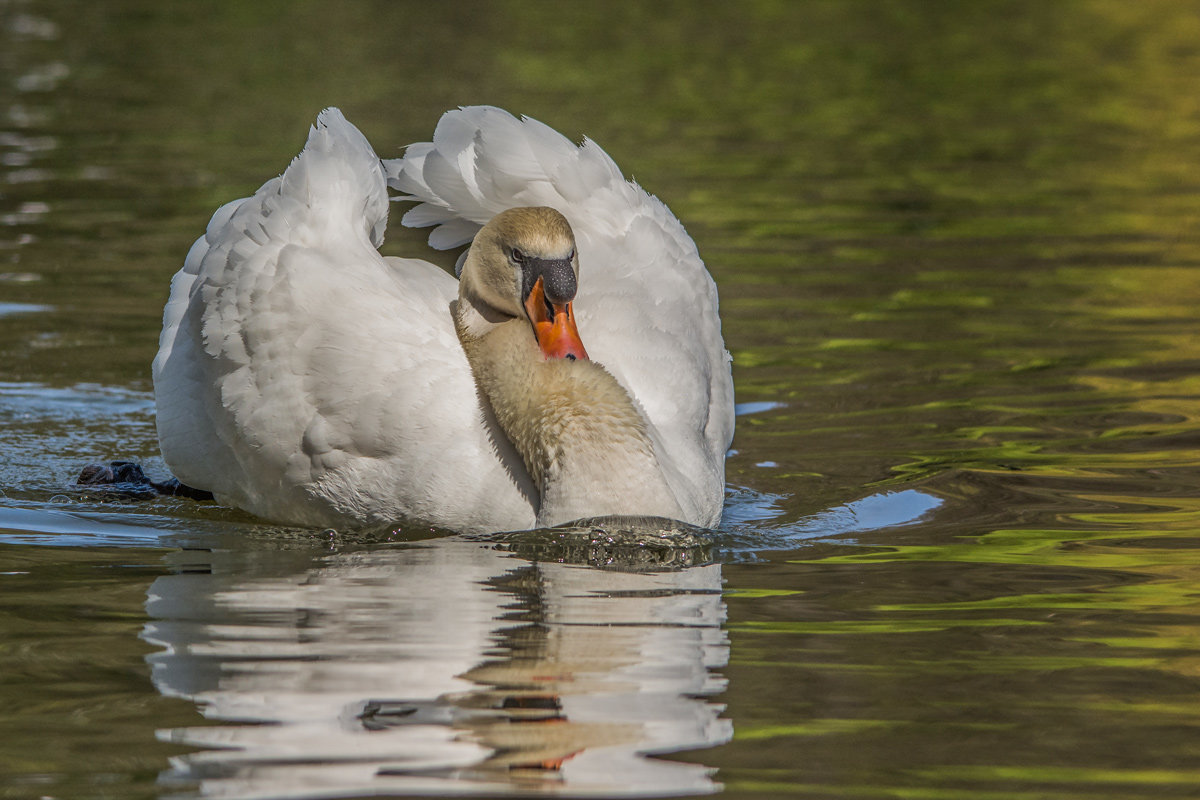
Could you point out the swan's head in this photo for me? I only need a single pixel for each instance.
(523, 264)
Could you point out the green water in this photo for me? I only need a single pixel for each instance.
(958, 254)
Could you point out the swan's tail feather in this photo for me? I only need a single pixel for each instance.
(483, 160)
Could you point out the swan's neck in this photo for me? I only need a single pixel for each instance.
(577, 430)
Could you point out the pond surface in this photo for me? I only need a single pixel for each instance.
(958, 250)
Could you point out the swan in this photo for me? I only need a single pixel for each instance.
(575, 369)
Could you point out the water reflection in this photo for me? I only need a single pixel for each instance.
(448, 666)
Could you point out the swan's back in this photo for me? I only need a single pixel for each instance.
(646, 306)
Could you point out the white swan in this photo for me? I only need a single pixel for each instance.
(305, 378)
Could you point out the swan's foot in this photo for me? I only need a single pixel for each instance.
(127, 478)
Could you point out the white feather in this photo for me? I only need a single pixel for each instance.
(307, 379)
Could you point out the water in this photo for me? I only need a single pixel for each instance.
(957, 253)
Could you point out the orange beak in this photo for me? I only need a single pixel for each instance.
(554, 326)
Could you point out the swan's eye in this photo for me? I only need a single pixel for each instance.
(517, 256)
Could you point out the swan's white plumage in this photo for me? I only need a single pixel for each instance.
(307, 379)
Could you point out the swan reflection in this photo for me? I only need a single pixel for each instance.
(445, 667)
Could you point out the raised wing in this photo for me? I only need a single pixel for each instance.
(646, 308)
(305, 378)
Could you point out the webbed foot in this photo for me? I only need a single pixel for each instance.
(127, 478)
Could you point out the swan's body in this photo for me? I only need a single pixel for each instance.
(307, 379)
